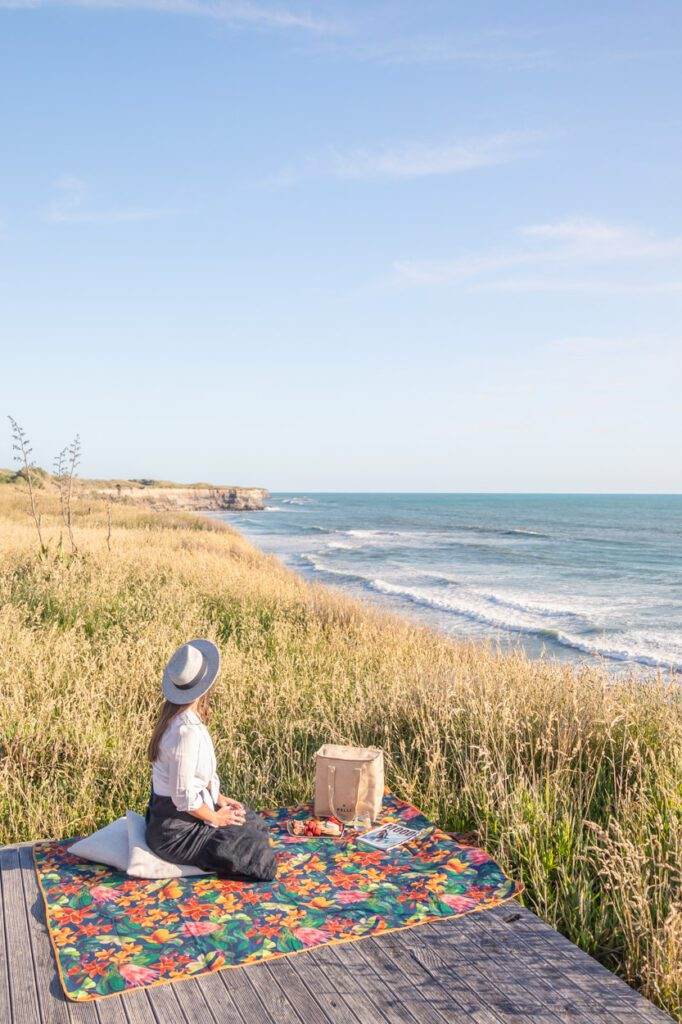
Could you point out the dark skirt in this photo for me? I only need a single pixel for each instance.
(240, 852)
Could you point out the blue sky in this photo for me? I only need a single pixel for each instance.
(334, 246)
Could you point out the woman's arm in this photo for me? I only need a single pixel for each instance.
(186, 790)
(225, 815)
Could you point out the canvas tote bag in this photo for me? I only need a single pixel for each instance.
(349, 782)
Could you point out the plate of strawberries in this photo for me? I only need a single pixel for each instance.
(315, 828)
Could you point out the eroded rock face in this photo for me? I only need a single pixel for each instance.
(197, 499)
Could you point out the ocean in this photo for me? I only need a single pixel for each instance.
(580, 577)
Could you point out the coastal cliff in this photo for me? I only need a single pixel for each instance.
(161, 495)
(192, 497)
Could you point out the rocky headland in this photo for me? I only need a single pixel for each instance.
(189, 497)
(155, 494)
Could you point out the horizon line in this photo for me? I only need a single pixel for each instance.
(603, 494)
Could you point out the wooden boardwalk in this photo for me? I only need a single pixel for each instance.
(496, 967)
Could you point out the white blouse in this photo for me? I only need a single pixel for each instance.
(185, 769)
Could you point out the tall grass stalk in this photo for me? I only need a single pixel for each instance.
(23, 455)
(65, 466)
(572, 779)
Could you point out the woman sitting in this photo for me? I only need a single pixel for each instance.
(189, 821)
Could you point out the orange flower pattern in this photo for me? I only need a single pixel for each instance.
(111, 933)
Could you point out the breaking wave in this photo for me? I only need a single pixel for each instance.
(577, 643)
(469, 606)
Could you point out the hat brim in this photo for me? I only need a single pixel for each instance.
(178, 694)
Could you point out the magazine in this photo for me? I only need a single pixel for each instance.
(387, 837)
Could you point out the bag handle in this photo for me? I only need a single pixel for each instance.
(331, 786)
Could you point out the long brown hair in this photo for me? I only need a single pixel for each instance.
(167, 714)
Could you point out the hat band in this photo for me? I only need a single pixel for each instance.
(197, 678)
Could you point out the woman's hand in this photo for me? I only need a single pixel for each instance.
(230, 813)
(227, 801)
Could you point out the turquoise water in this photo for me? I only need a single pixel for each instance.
(582, 577)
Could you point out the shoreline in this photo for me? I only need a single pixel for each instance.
(323, 551)
(507, 641)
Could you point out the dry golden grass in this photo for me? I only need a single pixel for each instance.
(574, 781)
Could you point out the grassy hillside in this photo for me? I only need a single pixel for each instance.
(572, 780)
(41, 478)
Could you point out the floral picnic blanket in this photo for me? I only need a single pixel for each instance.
(111, 933)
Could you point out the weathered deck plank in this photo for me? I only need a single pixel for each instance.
(22, 970)
(165, 1002)
(454, 1000)
(366, 980)
(139, 1009)
(499, 967)
(554, 957)
(53, 1011)
(346, 972)
(313, 980)
(250, 998)
(5, 1000)
(544, 975)
(512, 992)
(499, 945)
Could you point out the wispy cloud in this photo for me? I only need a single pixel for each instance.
(586, 285)
(479, 53)
(556, 254)
(482, 51)
(415, 159)
(70, 206)
(236, 13)
(370, 33)
(594, 239)
(466, 267)
(578, 230)
(371, 36)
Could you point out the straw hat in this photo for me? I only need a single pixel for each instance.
(191, 671)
